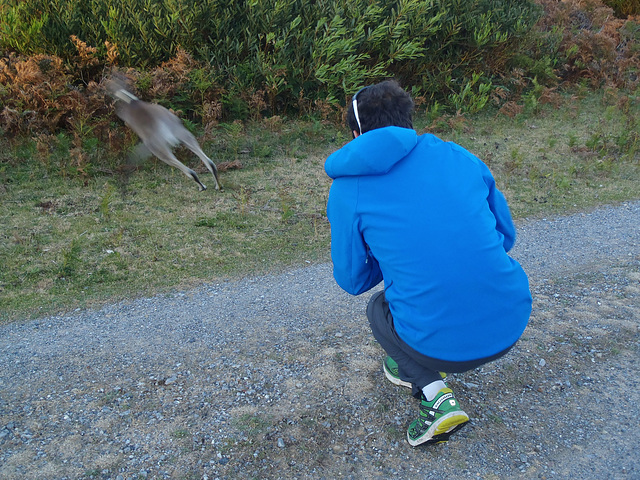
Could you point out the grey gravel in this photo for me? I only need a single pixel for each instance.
(279, 377)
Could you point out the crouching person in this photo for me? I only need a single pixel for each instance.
(425, 217)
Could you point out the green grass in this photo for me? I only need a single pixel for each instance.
(561, 160)
(253, 424)
(180, 433)
(70, 242)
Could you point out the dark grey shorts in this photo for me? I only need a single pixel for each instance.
(413, 366)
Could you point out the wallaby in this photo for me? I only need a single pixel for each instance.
(160, 131)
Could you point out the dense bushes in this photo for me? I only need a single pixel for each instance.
(624, 8)
(236, 59)
(591, 43)
(288, 52)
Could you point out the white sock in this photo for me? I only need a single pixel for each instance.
(430, 391)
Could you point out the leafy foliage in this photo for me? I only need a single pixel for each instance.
(590, 43)
(214, 61)
(278, 55)
(623, 8)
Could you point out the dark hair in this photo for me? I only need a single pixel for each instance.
(384, 104)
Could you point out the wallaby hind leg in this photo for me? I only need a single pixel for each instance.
(186, 137)
(166, 155)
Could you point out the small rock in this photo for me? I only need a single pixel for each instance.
(280, 443)
(542, 362)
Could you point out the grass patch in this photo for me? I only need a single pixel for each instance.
(76, 241)
(253, 424)
(560, 160)
(180, 433)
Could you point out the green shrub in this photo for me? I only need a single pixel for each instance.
(623, 8)
(281, 55)
(215, 61)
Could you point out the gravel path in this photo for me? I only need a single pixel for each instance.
(279, 377)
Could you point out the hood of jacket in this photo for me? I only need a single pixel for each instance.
(373, 153)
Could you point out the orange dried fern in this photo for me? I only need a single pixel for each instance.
(30, 92)
(170, 77)
(594, 45)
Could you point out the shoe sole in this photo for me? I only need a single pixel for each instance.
(443, 437)
(392, 379)
(444, 428)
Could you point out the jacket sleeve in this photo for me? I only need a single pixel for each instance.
(354, 267)
(500, 209)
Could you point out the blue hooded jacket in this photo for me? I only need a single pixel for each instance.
(425, 216)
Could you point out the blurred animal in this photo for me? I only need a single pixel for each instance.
(160, 131)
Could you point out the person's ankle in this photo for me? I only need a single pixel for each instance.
(431, 391)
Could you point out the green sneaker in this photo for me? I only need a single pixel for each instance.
(390, 368)
(438, 419)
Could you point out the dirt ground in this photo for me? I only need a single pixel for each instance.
(239, 380)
